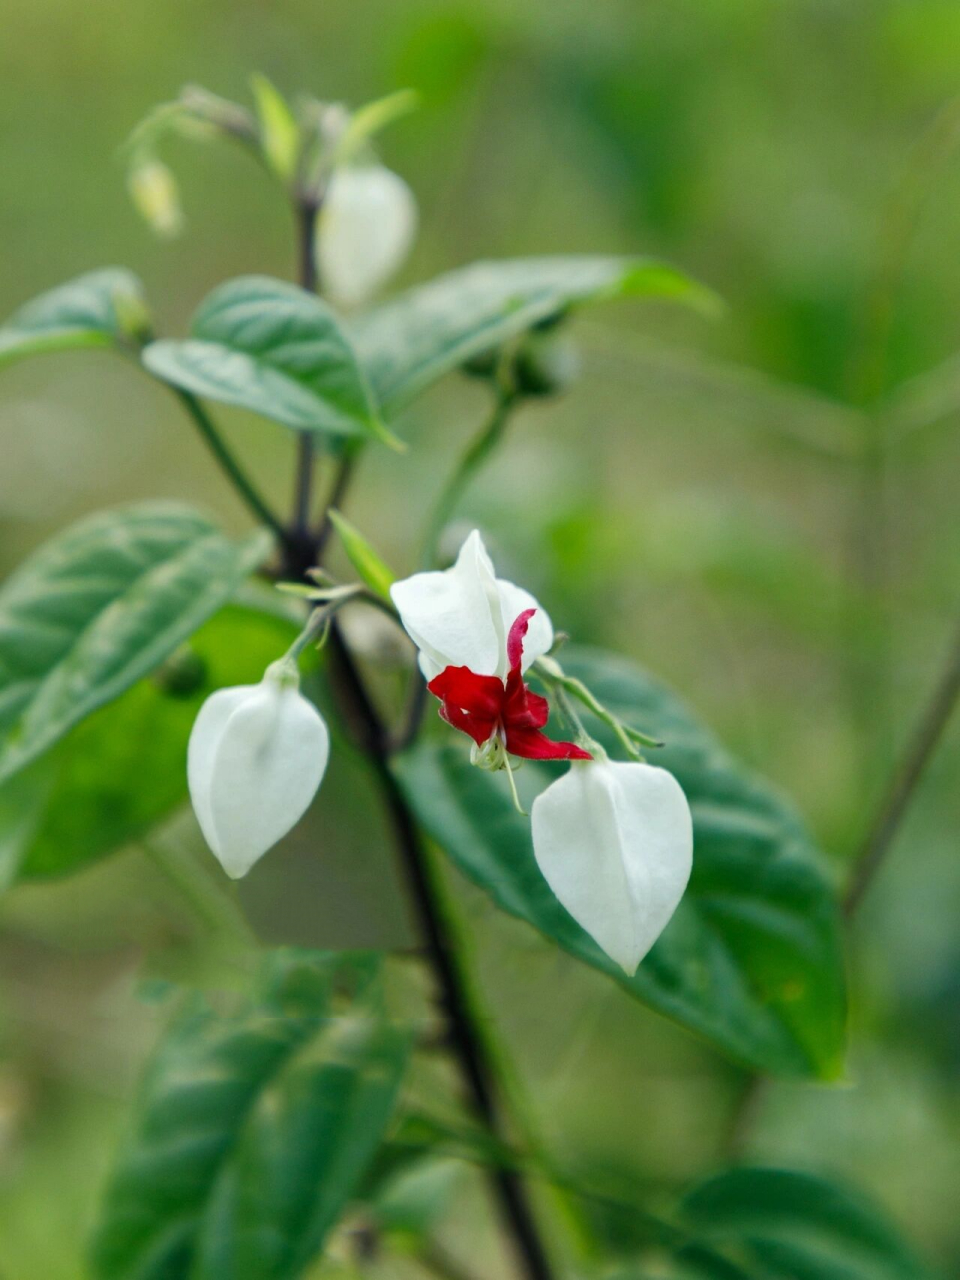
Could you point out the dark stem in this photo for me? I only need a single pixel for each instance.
(906, 776)
(228, 462)
(372, 736)
(307, 212)
(339, 488)
(371, 733)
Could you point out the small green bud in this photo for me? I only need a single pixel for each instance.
(183, 673)
(154, 192)
(483, 365)
(546, 365)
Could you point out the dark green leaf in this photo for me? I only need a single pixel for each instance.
(752, 958)
(253, 1129)
(276, 350)
(95, 310)
(411, 341)
(793, 1226)
(100, 606)
(122, 770)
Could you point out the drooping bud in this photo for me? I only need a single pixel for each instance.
(615, 844)
(366, 229)
(154, 192)
(256, 757)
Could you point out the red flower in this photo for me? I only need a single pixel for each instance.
(483, 706)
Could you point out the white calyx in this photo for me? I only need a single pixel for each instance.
(615, 844)
(366, 230)
(256, 757)
(461, 617)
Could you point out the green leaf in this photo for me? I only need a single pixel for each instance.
(253, 1129)
(411, 341)
(794, 1226)
(751, 959)
(373, 571)
(276, 350)
(371, 119)
(279, 132)
(121, 771)
(100, 606)
(95, 310)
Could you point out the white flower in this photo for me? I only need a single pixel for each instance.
(462, 616)
(257, 754)
(366, 229)
(615, 844)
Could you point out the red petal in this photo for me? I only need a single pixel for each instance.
(515, 638)
(531, 744)
(478, 728)
(523, 709)
(478, 695)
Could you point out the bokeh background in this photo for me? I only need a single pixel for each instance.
(761, 509)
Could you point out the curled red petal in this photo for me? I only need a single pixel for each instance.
(531, 744)
(478, 695)
(516, 637)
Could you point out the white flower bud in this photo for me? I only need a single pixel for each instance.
(366, 229)
(256, 756)
(615, 844)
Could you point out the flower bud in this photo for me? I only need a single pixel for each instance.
(256, 756)
(615, 844)
(153, 189)
(546, 365)
(366, 229)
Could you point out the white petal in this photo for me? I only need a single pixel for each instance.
(202, 749)
(367, 228)
(615, 843)
(256, 768)
(454, 617)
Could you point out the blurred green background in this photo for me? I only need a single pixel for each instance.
(719, 501)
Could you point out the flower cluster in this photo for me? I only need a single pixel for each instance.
(613, 840)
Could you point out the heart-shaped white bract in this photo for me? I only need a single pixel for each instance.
(615, 844)
(366, 230)
(461, 617)
(256, 757)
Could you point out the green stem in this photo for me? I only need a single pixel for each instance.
(474, 457)
(228, 462)
(209, 901)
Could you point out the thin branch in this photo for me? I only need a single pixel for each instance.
(341, 483)
(476, 454)
(906, 777)
(238, 477)
(307, 212)
(877, 843)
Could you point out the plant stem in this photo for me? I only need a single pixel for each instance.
(228, 462)
(906, 776)
(473, 458)
(371, 733)
(372, 736)
(307, 211)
